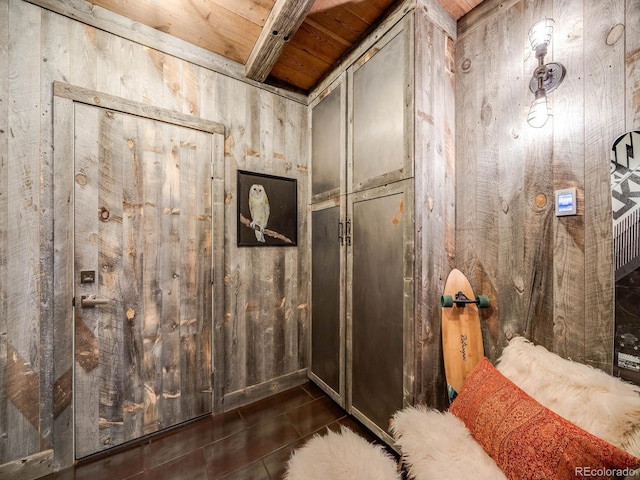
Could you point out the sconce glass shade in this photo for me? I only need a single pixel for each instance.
(541, 32)
(540, 110)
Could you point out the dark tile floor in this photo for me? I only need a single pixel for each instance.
(250, 443)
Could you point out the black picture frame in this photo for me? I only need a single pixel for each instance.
(281, 228)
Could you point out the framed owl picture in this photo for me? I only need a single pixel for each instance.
(267, 210)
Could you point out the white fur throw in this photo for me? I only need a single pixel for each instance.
(341, 456)
(599, 403)
(438, 446)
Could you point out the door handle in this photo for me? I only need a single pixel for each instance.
(91, 301)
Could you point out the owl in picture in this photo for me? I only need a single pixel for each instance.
(259, 208)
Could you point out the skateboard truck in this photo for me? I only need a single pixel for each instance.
(482, 301)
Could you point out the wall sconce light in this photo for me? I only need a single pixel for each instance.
(546, 78)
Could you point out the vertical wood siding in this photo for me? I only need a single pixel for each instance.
(4, 218)
(262, 337)
(435, 208)
(549, 278)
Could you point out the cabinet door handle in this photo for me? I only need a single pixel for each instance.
(348, 231)
(341, 233)
(92, 301)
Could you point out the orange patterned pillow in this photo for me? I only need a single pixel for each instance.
(527, 440)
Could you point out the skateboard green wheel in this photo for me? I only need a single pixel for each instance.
(483, 301)
(452, 394)
(446, 301)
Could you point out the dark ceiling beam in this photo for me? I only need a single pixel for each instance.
(282, 23)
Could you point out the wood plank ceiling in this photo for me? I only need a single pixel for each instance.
(288, 43)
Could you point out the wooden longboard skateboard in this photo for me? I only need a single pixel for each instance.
(462, 345)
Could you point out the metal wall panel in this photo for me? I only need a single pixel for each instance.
(378, 113)
(325, 310)
(377, 308)
(327, 149)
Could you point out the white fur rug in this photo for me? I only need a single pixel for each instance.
(341, 456)
(597, 402)
(438, 446)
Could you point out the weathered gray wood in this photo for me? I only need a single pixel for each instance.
(503, 283)
(54, 46)
(482, 13)
(172, 94)
(406, 214)
(83, 52)
(82, 55)
(191, 246)
(477, 98)
(179, 242)
(231, 342)
(152, 370)
(29, 468)
(216, 358)
(434, 149)
(22, 71)
(132, 263)
(438, 16)
(487, 206)
(468, 69)
(4, 222)
(83, 169)
(120, 26)
(110, 279)
(239, 398)
(632, 49)
(537, 323)
(250, 297)
(283, 22)
(208, 101)
(23, 242)
(165, 273)
(89, 97)
(552, 274)
(296, 162)
(109, 59)
(569, 254)
(63, 133)
(599, 304)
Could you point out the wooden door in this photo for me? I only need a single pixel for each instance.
(142, 276)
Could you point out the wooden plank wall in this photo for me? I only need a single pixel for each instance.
(435, 208)
(260, 344)
(549, 278)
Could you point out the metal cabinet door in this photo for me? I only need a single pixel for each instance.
(380, 104)
(328, 148)
(327, 310)
(380, 311)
